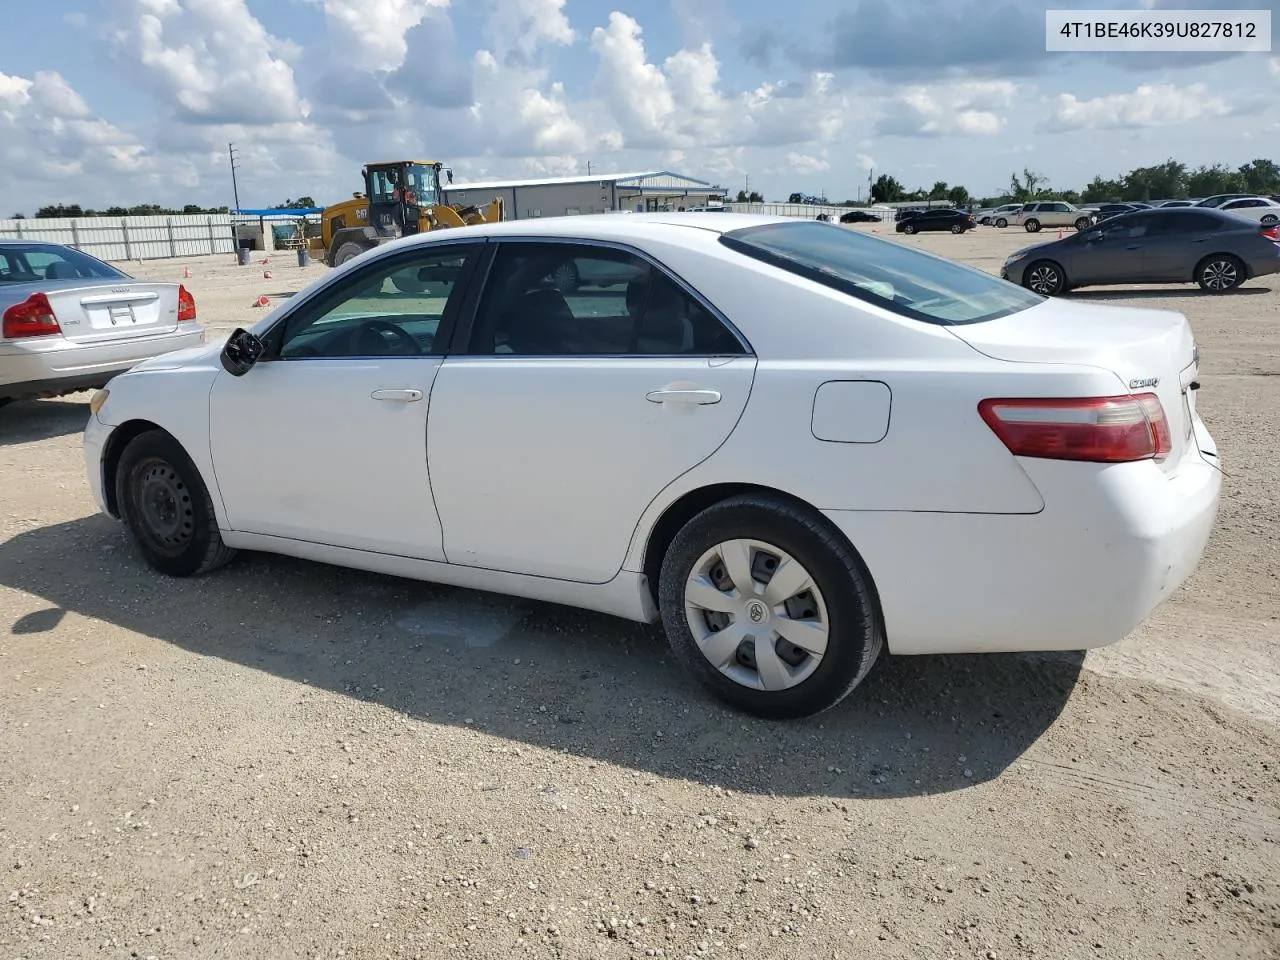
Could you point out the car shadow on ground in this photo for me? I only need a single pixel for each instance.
(1161, 293)
(549, 676)
(26, 421)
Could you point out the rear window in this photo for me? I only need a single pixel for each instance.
(890, 275)
(31, 263)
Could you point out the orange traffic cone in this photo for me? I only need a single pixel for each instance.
(186, 273)
(262, 301)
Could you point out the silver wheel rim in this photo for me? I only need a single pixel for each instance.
(1043, 280)
(564, 277)
(1220, 275)
(756, 614)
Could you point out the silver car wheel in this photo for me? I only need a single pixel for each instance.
(1219, 275)
(1044, 280)
(756, 614)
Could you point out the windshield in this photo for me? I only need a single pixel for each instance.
(420, 180)
(34, 262)
(905, 281)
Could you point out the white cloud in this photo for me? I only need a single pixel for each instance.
(967, 108)
(212, 60)
(1273, 65)
(802, 163)
(518, 29)
(371, 33)
(864, 161)
(1151, 105)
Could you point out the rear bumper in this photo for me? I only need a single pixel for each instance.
(52, 366)
(1110, 545)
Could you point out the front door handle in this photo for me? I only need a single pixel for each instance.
(404, 396)
(683, 396)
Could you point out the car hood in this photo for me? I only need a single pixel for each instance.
(1023, 251)
(178, 359)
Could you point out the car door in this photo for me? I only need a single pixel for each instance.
(564, 413)
(1176, 242)
(324, 439)
(1112, 252)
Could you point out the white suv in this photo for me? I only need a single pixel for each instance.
(1052, 213)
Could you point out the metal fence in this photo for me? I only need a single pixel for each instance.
(806, 211)
(132, 238)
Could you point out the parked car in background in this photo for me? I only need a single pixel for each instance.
(1002, 215)
(1177, 203)
(1217, 250)
(1219, 199)
(1105, 211)
(70, 322)
(1033, 217)
(859, 216)
(1261, 209)
(957, 221)
(903, 212)
(675, 453)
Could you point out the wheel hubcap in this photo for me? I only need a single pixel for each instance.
(1044, 280)
(756, 614)
(1220, 275)
(165, 504)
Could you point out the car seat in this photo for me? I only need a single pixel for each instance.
(538, 323)
(60, 270)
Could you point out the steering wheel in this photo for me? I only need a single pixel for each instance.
(379, 326)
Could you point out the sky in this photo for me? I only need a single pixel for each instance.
(120, 102)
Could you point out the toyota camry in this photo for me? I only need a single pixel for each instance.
(792, 443)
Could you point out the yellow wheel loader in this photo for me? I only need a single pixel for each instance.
(400, 198)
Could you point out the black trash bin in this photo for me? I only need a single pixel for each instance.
(242, 254)
(304, 257)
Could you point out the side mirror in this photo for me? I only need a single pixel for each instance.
(241, 351)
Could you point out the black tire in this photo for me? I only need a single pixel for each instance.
(154, 465)
(347, 250)
(1032, 225)
(1002, 223)
(957, 228)
(1083, 223)
(909, 228)
(1219, 273)
(855, 633)
(1045, 278)
(1269, 220)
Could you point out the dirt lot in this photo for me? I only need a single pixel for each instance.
(289, 760)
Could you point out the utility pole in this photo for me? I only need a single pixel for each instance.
(746, 186)
(231, 152)
(588, 168)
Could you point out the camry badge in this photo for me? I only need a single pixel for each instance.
(1152, 382)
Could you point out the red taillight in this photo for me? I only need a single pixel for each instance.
(1272, 232)
(31, 318)
(186, 305)
(1097, 429)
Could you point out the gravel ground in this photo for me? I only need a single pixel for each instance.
(289, 760)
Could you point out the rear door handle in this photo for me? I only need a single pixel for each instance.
(683, 396)
(405, 396)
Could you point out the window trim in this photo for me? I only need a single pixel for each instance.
(731, 240)
(460, 346)
(328, 295)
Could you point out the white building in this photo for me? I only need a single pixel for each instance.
(599, 193)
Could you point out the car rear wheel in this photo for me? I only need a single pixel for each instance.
(1045, 278)
(1219, 273)
(347, 251)
(1002, 223)
(1032, 226)
(1082, 223)
(1270, 219)
(957, 228)
(909, 228)
(166, 507)
(770, 609)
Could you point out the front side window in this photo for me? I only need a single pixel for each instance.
(898, 278)
(566, 299)
(389, 309)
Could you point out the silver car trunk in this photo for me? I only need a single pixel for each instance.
(118, 311)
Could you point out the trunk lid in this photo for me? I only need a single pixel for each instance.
(116, 311)
(1138, 345)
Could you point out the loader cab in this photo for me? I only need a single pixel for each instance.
(398, 192)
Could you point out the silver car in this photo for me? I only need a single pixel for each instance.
(71, 322)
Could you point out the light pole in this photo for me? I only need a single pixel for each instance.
(235, 187)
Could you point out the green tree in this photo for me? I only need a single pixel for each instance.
(886, 189)
(1261, 176)
(1164, 181)
(959, 196)
(1206, 181)
(1101, 190)
(939, 191)
(1030, 186)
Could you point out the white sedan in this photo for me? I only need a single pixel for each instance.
(1262, 209)
(790, 441)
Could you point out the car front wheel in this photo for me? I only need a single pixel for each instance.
(1002, 223)
(166, 507)
(957, 228)
(769, 608)
(909, 228)
(1045, 278)
(1032, 226)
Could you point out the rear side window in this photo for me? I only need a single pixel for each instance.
(898, 278)
(23, 263)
